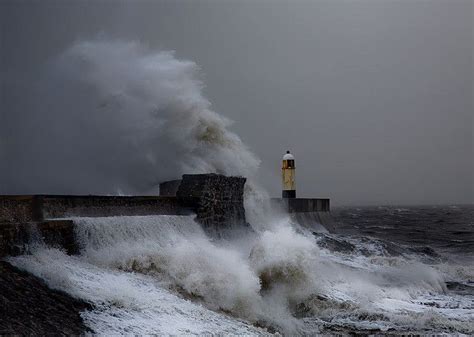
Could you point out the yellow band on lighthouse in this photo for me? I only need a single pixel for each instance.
(288, 176)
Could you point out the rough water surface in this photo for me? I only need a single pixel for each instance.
(165, 275)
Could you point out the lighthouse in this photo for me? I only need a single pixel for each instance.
(288, 176)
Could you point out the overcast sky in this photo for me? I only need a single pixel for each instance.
(374, 98)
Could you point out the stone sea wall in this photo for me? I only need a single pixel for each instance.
(19, 209)
(24, 219)
(311, 213)
(16, 238)
(28, 208)
(217, 200)
(29, 307)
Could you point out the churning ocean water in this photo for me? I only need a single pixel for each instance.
(389, 270)
(386, 270)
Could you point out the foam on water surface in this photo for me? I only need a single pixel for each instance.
(163, 274)
(128, 303)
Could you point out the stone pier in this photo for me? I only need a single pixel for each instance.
(216, 200)
(311, 213)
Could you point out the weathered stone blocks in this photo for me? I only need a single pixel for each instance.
(217, 200)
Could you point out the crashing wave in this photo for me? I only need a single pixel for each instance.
(282, 281)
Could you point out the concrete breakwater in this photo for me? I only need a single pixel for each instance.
(28, 306)
(216, 200)
(310, 213)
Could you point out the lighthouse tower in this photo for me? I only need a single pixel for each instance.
(288, 176)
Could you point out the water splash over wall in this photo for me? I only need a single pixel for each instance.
(117, 117)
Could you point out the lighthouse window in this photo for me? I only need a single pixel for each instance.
(291, 163)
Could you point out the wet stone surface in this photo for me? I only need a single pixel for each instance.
(217, 200)
(29, 307)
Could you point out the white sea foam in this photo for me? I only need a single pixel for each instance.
(128, 303)
(141, 272)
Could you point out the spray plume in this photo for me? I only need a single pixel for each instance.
(116, 117)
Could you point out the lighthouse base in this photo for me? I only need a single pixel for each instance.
(287, 194)
(310, 213)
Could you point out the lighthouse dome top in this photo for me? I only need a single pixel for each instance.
(288, 156)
